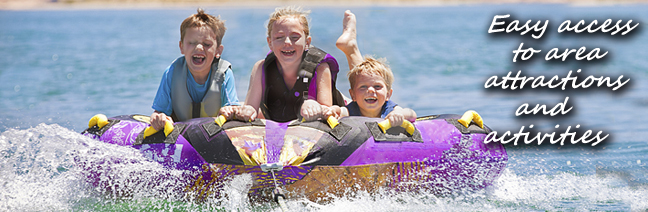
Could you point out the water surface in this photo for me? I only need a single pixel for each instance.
(58, 68)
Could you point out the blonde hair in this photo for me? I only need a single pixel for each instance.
(371, 66)
(201, 19)
(289, 11)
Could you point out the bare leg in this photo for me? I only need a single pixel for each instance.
(347, 42)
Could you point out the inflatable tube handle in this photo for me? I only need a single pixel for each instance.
(99, 120)
(168, 128)
(469, 116)
(332, 121)
(386, 124)
(220, 120)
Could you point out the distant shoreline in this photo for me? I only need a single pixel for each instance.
(166, 4)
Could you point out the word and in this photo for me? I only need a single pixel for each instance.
(559, 108)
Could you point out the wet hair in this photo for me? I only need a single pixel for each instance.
(371, 66)
(202, 19)
(289, 11)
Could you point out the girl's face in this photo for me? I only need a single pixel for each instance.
(200, 48)
(370, 92)
(288, 41)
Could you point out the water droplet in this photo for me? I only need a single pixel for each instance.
(17, 88)
(449, 68)
(55, 57)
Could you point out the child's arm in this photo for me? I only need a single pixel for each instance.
(254, 94)
(311, 110)
(229, 95)
(248, 111)
(399, 114)
(324, 112)
(159, 119)
(336, 111)
(236, 112)
(324, 95)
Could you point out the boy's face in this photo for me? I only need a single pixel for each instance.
(200, 48)
(370, 92)
(288, 41)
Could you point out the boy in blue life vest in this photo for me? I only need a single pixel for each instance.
(370, 80)
(198, 83)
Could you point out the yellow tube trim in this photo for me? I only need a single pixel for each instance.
(168, 128)
(409, 127)
(149, 131)
(386, 124)
(332, 121)
(99, 120)
(220, 120)
(473, 116)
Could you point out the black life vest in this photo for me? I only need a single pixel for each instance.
(281, 104)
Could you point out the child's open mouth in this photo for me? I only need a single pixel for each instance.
(198, 60)
(288, 53)
(371, 100)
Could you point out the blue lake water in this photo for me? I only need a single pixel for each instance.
(59, 68)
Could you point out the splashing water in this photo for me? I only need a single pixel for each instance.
(46, 168)
(49, 167)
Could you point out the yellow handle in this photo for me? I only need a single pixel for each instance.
(220, 120)
(99, 120)
(332, 121)
(168, 128)
(386, 124)
(469, 116)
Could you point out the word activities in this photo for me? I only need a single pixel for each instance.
(536, 29)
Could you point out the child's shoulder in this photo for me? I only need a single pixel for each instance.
(390, 103)
(178, 61)
(353, 109)
(258, 66)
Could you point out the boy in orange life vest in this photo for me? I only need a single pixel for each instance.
(370, 80)
(199, 83)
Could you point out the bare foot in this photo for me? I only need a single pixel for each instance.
(347, 41)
